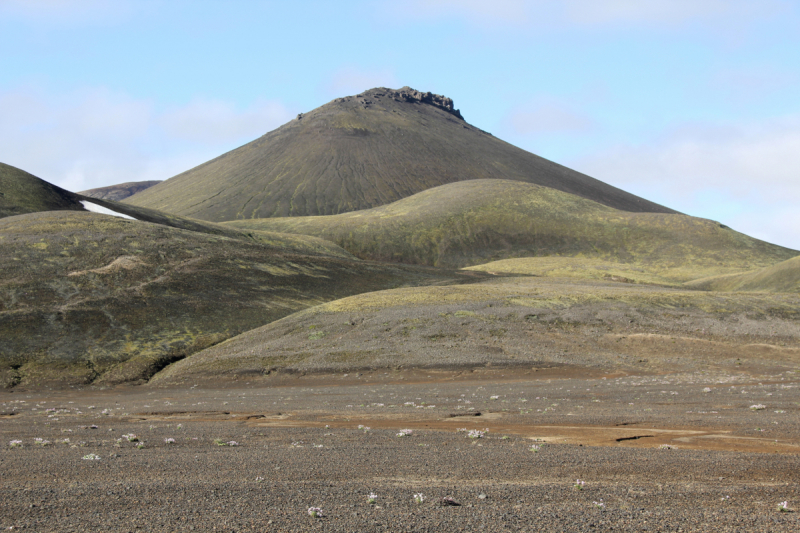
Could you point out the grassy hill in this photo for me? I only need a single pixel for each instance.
(783, 277)
(21, 192)
(360, 152)
(86, 297)
(120, 191)
(478, 221)
(586, 268)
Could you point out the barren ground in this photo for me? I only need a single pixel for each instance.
(299, 445)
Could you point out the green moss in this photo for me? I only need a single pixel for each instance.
(782, 277)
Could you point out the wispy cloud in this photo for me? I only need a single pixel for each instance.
(752, 166)
(67, 12)
(350, 80)
(478, 12)
(97, 137)
(548, 117)
(664, 12)
(589, 13)
(214, 122)
(759, 159)
(747, 84)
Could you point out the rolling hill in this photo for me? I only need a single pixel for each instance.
(478, 221)
(782, 277)
(360, 152)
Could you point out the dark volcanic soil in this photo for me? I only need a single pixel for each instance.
(298, 445)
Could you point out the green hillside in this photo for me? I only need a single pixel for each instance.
(474, 222)
(517, 323)
(782, 277)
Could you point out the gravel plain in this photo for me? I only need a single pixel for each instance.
(655, 452)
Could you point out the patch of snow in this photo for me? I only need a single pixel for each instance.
(94, 208)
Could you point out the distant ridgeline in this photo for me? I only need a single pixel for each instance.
(121, 191)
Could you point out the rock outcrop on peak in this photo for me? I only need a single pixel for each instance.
(412, 95)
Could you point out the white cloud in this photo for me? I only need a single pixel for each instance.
(663, 12)
(750, 84)
(480, 12)
(549, 14)
(214, 121)
(778, 225)
(66, 12)
(755, 167)
(755, 159)
(548, 117)
(350, 80)
(96, 137)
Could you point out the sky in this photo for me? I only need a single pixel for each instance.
(689, 103)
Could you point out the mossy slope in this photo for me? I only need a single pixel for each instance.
(88, 297)
(517, 321)
(21, 192)
(360, 152)
(473, 222)
(783, 277)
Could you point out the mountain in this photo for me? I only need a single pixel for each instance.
(86, 297)
(21, 192)
(477, 221)
(360, 152)
(782, 277)
(119, 192)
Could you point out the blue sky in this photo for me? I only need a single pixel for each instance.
(688, 103)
